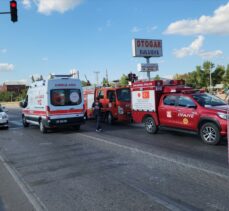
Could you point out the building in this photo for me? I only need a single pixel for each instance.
(13, 86)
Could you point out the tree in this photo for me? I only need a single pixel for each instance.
(226, 77)
(157, 77)
(105, 82)
(84, 83)
(218, 75)
(123, 80)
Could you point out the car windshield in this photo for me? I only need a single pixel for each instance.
(123, 94)
(208, 100)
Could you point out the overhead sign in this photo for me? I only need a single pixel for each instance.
(147, 67)
(146, 48)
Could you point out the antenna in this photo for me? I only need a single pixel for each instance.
(88, 82)
(97, 76)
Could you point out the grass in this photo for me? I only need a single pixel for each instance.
(10, 104)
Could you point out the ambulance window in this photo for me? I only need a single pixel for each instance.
(65, 97)
(170, 100)
(186, 102)
(101, 94)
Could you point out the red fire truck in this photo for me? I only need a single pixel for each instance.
(178, 107)
(116, 102)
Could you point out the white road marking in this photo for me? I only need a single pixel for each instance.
(29, 193)
(171, 160)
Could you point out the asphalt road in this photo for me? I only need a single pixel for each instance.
(122, 168)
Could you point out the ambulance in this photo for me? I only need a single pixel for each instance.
(116, 102)
(53, 103)
(173, 106)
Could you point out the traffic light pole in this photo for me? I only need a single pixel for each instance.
(148, 72)
(2, 13)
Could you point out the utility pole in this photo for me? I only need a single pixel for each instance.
(211, 66)
(107, 75)
(97, 76)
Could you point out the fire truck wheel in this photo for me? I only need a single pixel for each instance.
(209, 133)
(43, 129)
(150, 125)
(24, 122)
(109, 118)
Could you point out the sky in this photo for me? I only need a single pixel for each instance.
(56, 36)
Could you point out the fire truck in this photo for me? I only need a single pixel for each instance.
(174, 106)
(116, 103)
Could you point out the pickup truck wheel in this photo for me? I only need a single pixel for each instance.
(209, 133)
(150, 125)
(24, 122)
(43, 129)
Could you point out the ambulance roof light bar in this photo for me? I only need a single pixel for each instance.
(53, 76)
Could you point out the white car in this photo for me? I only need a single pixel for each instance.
(3, 118)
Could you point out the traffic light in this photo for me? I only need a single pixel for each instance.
(13, 10)
(132, 77)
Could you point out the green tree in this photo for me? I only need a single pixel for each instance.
(105, 82)
(226, 77)
(218, 75)
(123, 80)
(157, 77)
(84, 83)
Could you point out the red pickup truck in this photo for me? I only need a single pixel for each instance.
(178, 107)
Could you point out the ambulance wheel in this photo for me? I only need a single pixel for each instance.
(43, 129)
(150, 125)
(209, 133)
(24, 122)
(109, 118)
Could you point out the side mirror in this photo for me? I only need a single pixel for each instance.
(4, 109)
(23, 104)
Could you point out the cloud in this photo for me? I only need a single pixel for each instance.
(151, 28)
(26, 3)
(135, 29)
(195, 48)
(215, 24)
(148, 29)
(5, 67)
(48, 6)
(210, 54)
(3, 50)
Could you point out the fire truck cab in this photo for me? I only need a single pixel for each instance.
(175, 106)
(116, 103)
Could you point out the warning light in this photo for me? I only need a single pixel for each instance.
(13, 10)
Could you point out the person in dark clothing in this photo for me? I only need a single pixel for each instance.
(97, 106)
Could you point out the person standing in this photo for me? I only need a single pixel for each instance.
(97, 106)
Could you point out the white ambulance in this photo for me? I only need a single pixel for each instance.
(53, 103)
